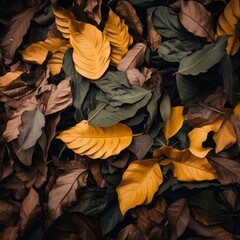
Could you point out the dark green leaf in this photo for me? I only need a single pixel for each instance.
(203, 59)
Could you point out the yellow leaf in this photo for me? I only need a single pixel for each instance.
(9, 77)
(56, 61)
(227, 25)
(97, 142)
(91, 50)
(174, 123)
(37, 52)
(62, 20)
(139, 184)
(116, 31)
(225, 137)
(187, 167)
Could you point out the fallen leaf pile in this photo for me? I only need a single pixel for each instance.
(120, 119)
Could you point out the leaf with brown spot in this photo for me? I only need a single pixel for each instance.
(64, 190)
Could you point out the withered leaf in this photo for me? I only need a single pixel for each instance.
(131, 232)
(95, 168)
(64, 190)
(11, 232)
(135, 77)
(92, 8)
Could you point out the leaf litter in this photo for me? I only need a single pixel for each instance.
(119, 119)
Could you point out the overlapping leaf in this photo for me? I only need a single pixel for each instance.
(96, 142)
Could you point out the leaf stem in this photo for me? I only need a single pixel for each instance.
(211, 108)
(95, 114)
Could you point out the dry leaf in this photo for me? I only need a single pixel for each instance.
(196, 19)
(37, 52)
(95, 168)
(126, 11)
(92, 8)
(135, 77)
(134, 58)
(60, 97)
(131, 232)
(116, 32)
(10, 233)
(91, 50)
(139, 184)
(64, 190)
(187, 167)
(31, 128)
(227, 26)
(97, 142)
(165, 107)
(174, 123)
(29, 210)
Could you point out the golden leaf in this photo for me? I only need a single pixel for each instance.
(91, 50)
(174, 123)
(187, 167)
(227, 25)
(97, 142)
(56, 61)
(9, 77)
(62, 20)
(116, 31)
(139, 184)
(37, 52)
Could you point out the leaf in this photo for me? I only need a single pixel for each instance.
(96, 142)
(230, 78)
(62, 19)
(126, 11)
(29, 210)
(116, 32)
(165, 107)
(173, 50)
(174, 123)
(178, 216)
(31, 128)
(139, 184)
(92, 8)
(134, 58)
(37, 52)
(64, 190)
(187, 167)
(9, 77)
(9, 212)
(60, 97)
(140, 145)
(77, 82)
(196, 62)
(95, 168)
(196, 19)
(17, 28)
(135, 77)
(227, 169)
(91, 55)
(227, 26)
(131, 232)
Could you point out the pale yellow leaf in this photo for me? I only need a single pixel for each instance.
(91, 50)
(187, 167)
(9, 77)
(116, 31)
(139, 184)
(174, 123)
(97, 142)
(37, 52)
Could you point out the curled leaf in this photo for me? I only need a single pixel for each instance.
(116, 32)
(91, 50)
(96, 142)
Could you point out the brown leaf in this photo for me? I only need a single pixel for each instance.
(60, 97)
(153, 36)
(236, 125)
(5, 163)
(140, 145)
(17, 28)
(231, 196)
(64, 190)
(30, 210)
(165, 107)
(9, 212)
(30, 129)
(213, 231)
(196, 19)
(95, 168)
(126, 11)
(10, 233)
(120, 160)
(176, 5)
(135, 77)
(178, 216)
(134, 58)
(131, 232)
(228, 170)
(92, 8)
(53, 32)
